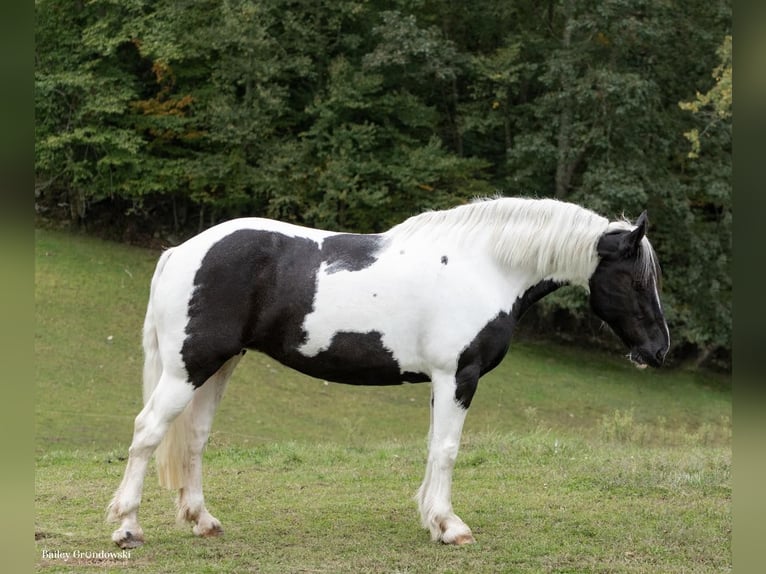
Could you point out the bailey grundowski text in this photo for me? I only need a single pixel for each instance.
(85, 555)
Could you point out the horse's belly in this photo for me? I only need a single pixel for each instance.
(353, 358)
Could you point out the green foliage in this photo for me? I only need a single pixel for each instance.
(353, 115)
(714, 105)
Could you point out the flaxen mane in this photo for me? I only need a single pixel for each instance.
(554, 239)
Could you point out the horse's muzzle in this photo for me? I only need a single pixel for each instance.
(642, 358)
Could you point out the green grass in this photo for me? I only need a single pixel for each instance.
(536, 504)
(571, 461)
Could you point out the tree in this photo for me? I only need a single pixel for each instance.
(705, 319)
(714, 106)
(84, 143)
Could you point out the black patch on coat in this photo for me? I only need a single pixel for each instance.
(254, 289)
(445, 260)
(357, 359)
(491, 344)
(350, 252)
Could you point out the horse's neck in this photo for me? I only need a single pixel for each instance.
(545, 239)
(541, 263)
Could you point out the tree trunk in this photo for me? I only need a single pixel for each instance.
(563, 167)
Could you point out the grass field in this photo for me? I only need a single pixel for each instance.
(571, 461)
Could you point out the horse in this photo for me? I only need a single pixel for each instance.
(435, 298)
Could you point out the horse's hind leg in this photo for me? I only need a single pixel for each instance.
(191, 502)
(169, 398)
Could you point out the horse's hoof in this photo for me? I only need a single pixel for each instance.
(462, 539)
(127, 539)
(458, 535)
(209, 531)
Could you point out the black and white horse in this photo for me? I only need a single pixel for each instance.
(435, 298)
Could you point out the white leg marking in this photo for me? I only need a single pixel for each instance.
(169, 398)
(435, 494)
(191, 501)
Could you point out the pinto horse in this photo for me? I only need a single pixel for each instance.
(435, 298)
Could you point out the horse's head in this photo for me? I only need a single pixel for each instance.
(624, 293)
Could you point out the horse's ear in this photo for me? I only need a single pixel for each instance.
(631, 241)
(643, 222)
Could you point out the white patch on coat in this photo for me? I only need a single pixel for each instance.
(425, 311)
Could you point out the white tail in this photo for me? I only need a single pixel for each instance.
(172, 454)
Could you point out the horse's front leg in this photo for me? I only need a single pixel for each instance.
(435, 495)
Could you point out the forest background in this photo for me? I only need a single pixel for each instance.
(154, 120)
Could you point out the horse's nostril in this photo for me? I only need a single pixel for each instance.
(661, 355)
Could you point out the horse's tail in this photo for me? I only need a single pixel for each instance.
(172, 453)
(152, 360)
